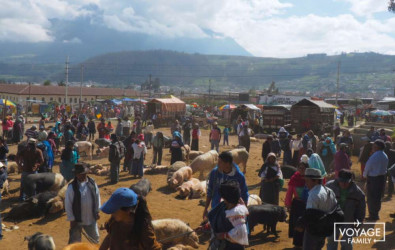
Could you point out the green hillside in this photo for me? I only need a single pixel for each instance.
(316, 73)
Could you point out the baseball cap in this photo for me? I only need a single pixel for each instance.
(122, 197)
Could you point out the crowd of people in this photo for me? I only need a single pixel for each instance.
(309, 191)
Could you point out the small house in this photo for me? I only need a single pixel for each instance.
(312, 115)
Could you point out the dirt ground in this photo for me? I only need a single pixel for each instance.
(163, 204)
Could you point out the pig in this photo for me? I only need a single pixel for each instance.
(199, 190)
(186, 187)
(36, 206)
(40, 241)
(56, 204)
(43, 182)
(173, 168)
(171, 228)
(103, 171)
(86, 147)
(266, 214)
(240, 157)
(181, 175)
(194, 154)
(142, 188)
(101, 142)
(179, 247)
(204, 162)
(254, 199)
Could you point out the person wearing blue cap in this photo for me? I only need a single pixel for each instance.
(175, 147)
(82, 203)
(130, 225)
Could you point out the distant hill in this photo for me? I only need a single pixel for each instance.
(359, 72)
(315, 73)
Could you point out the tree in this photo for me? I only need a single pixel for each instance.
(61, 83)
(391, 5)
(47, 83)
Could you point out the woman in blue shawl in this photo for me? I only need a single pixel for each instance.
(327, 153)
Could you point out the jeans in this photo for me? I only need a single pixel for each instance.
(311, 242)
(375, 190)
(22, 195)
(226, 139)
(137, 166)
(157, 156)
(332, 245)
(215, 143)
(91, 230)
(114, 172)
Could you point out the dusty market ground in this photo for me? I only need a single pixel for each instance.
(163, 204)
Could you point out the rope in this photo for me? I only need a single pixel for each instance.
(88, 237)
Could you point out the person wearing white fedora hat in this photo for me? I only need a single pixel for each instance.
(320, 198)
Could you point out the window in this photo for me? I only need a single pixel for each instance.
(59, 99)
(43, 99)
(92, 99)
(75, 100)
(27, 98)
(85, 99)
(34, 98)
(51, 99)
(71, 100)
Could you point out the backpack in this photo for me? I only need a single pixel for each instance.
(119, 150)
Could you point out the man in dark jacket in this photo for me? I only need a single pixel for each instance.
(391, 161)
(266, 147)
(117, 152)
(128, 142)
(82, 205)
(29, 159)
(351, 200)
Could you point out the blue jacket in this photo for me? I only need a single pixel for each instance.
(217, 177)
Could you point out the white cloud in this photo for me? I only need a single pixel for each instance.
(74, 40)
(255, 24)
(367, 7)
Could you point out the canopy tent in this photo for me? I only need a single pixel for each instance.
(251, 106)
(227, 107)
(172, 104)
(117, 102)
(8, 103)
(379, 112)
(134, 100)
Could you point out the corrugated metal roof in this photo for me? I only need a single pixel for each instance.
(324, 106)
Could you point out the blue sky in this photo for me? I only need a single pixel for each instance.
(268, 28)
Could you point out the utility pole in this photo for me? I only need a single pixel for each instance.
(209, 90)
(82, 80)
(337, 83)
(29, 105)
(149, 86)
(67, 79)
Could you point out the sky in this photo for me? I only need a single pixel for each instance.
(265, 28)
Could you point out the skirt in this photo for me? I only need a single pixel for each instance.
(195, 145)
(270, 192)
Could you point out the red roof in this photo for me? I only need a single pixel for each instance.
(18, 89)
